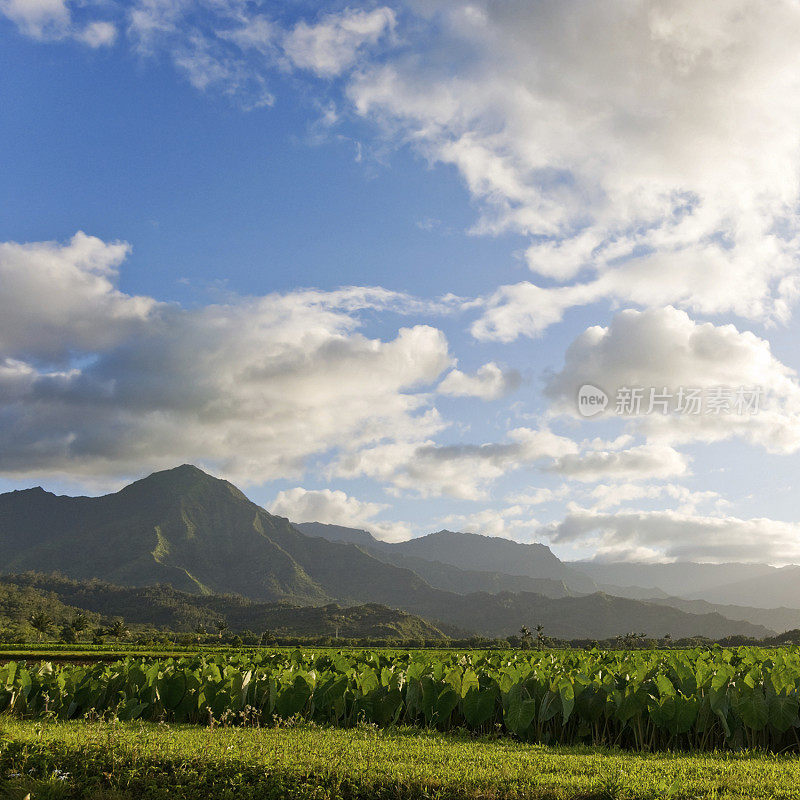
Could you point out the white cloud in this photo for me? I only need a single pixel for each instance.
(332, 45)
(38, 18)
(59, 299)
(538, 496)
(511, 522)
(648, 149)
(52, 19)
(676, 536)
(665, 349)
(524, 309)
(645, 462)
(607, 496)
(232, 47)
(463, 471)
(335, 507)
(97, 382)
(490, 382)
(98, 34)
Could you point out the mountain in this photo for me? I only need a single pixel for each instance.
(469, 562)
(505, 601)
(166, 608)
(779, 587)
(596, 616)
(681, 579)
(777, 619)
(437, 573)
(633, 592)
(471, 551)
(201, 535)
(194, 532)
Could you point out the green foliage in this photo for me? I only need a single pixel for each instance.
(83, 605)
(645, 700)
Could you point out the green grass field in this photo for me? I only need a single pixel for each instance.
(128, 761)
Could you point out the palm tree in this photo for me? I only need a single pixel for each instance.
(79, 624)
(525, 636)
(41, 622)
(119, 630)
(68, 634)
(540, 637)
(200, 630)
(267, 637)
(221, 625)
(337, 620)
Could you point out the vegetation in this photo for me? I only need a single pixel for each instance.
(647, 700)
(132, 761)
(43, 607)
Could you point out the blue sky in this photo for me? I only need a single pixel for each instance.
(359, 259)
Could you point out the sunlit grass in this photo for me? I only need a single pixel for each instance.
(143, 760)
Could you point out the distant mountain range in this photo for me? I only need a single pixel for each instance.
(201, 535)
(467, 562)
(677, 579)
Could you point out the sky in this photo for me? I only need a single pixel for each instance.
(364, 260)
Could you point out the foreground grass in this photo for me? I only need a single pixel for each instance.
(100, 761)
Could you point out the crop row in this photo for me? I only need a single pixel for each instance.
(700, 699)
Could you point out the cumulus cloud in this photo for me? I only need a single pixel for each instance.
(462, 471)
(665, 350)
(671, 535)
(648, 150)
(97, 382)
(61, 299)
(332, 44)
(490, 382)
(335, 507)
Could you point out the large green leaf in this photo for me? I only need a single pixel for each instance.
(478, 706)
(752, 709)
(519, 713)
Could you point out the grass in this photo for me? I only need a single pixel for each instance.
(116, 761)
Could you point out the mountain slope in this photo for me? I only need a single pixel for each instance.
(166, 608)
(194, 532)
(471, 551)
(437, 573)
(596, 616)
(777, 619)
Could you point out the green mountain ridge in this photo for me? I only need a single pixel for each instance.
(194, 532)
